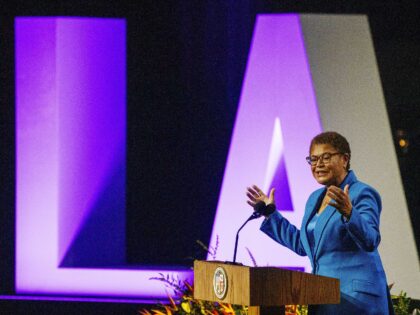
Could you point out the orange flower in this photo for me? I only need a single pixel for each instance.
(174, 307)
(189, 287)
(227, 308)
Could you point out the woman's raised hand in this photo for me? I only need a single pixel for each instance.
(255, 194)
(340, 200)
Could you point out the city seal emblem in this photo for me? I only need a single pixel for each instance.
(220, 283)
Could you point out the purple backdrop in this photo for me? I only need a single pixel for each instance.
(71, 125)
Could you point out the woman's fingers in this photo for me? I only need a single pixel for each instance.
(332, 196)
(251, 196)
(252, 204)
(258, 190)
(335, 193)
(253, 191)
(333, 204)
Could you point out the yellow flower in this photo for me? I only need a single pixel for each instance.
(186, 307)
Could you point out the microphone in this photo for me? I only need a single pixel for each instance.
(259, 210)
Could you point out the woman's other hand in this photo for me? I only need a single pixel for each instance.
(341, 200)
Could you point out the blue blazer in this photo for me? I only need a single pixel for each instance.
(346, 250)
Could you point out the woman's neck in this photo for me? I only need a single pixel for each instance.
(337, 182)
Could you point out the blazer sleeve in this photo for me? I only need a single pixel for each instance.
(282, 231)
(363, 225)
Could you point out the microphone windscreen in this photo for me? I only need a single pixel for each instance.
(269, 209)
(259, 207)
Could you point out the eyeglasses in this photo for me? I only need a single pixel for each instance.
(324, 157)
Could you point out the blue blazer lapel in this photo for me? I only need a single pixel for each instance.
(311, 207)
(328, 213)
(323, 220)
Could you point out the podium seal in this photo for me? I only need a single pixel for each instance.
(220, 283)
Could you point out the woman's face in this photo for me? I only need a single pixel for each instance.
(328, 172)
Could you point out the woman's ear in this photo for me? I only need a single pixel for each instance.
(346, 160)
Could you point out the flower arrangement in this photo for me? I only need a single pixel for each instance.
(183, 303)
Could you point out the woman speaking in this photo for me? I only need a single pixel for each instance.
(339, 231)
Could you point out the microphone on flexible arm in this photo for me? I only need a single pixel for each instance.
(260, 208)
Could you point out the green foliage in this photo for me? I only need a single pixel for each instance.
(401, 303)
(302, 309)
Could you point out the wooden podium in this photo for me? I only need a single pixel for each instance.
(266, 290)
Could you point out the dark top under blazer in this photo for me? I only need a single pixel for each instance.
(343, 250)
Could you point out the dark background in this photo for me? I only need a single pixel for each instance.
(186, 61)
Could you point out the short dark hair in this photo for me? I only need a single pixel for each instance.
(334, 139)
